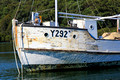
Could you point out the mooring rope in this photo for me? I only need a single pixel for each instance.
(16, 61)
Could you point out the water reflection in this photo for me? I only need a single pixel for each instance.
(102, 74)
(7, 66)
(8, 71)
(6, 47)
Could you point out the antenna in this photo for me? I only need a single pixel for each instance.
(56, 14)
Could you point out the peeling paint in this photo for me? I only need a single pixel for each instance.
(34, 37)
(41, 48)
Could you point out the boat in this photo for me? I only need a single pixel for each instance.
(47, 46)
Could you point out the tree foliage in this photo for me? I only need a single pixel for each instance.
(8, 10)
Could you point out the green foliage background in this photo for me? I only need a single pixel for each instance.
(8, 10)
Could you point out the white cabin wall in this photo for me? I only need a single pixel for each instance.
(76, 40)
(85, 24)
(49, 23)
(80, 23)
(93, 30)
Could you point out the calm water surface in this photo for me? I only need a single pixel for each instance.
(8, 70)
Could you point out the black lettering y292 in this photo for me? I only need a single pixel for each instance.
(59, 33)
(65, 35)
(52, 31)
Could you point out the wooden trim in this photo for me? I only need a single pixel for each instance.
(89, 51)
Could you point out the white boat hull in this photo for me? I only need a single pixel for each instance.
(49, 48)
(34, 60)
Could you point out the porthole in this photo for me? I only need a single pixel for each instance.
(46, 34)
(74, 36)
(91, 27)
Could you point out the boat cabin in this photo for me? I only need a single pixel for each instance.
(82, 23)
(89, 24)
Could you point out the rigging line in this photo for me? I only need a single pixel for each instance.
(31, 9)
(100, 15)
(22, 8)
(32, 5)
(88, 4)
(94, 15)
(66, 10)
(78, 7)
(52, 18)
(49, 16)
(66, 7)
(17, 9)
(45, 10)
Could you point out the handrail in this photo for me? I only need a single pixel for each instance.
(114, 17)
(80, 15)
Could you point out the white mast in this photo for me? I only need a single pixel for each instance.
(118, 25)
(56, 14)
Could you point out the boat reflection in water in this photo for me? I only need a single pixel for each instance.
(8, 71)
(101, 74)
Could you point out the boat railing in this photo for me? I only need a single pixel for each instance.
(80, 16)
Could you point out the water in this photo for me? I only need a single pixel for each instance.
(8, 70)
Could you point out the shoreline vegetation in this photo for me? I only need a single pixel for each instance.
(8, 9)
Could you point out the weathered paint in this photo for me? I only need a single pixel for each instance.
(36, 68)
(78, 40)
(60, 57)
(49, 60)
(65, 45)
